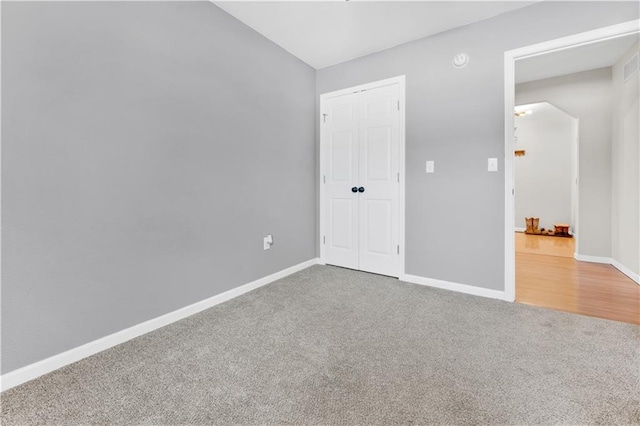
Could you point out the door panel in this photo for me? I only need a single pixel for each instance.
(378, 142)
(340, 141)
(342, 224)
(341, 113)
(378, 175)
(375, 105)
(377, 241)
(341, 152)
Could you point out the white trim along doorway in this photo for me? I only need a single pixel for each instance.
(510, 58)
(370, 158)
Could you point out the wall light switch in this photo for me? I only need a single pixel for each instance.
(267, 242)
(430, 167)
(493, 164)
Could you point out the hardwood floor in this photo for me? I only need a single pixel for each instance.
(543, 244)
(547, 275)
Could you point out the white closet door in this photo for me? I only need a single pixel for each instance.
(340, 145)
(360, 146)
(379, 181)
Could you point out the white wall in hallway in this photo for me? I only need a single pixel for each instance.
(543, 176)
(625, 156)
(586, 96)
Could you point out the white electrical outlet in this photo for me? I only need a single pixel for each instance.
(267, 242)
(492, 165)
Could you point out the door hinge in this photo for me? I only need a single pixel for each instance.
(324, 118)
(324, 179)
(513, 191)
(398, 105)
(398, 177)
(398, 249)
(324, 240)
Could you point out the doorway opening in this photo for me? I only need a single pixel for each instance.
(546, 171)
(362, 175)
(574, 188)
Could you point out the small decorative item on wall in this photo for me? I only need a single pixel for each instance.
(460, 60)
(519, 152)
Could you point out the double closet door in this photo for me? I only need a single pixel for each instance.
(360, 201)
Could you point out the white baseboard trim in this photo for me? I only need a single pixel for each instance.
(628, 272)
(609, 261)
(37, 369)
(592, 259)
(460, 288)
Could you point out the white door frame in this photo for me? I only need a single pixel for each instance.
(510, 57)
(400, 81)
(575, 184)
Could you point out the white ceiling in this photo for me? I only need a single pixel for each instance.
(569, 61)
(327, 33)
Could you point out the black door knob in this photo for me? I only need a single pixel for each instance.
(354, 189)
(361, 189)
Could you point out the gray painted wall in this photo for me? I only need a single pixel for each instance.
(455, 217)
(544, 175)
(625, 233)
(586, 96)
(147, 149)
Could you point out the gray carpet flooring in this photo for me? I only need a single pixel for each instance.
(333, 346)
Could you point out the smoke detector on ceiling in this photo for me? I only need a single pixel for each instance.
(460, 60)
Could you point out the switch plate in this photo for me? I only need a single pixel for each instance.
(493, 165)
(430, 167)
(267, 242)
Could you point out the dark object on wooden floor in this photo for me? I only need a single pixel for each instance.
(561, 229)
